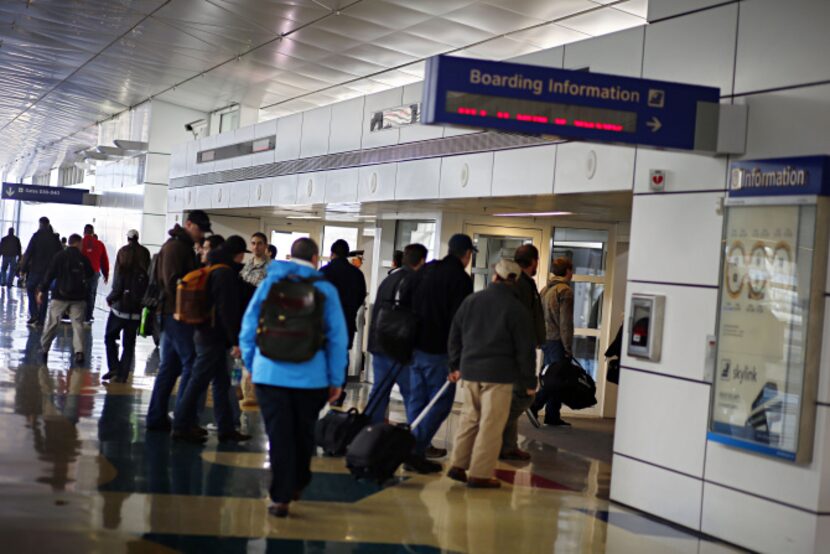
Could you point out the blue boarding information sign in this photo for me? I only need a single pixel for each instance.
(40, 193)
(805, 175)
(569, 103)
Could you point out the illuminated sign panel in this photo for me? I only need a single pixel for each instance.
(569, 103)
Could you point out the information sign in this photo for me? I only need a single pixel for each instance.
(569, 103)
(40, 193)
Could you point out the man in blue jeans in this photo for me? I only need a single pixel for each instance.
(439, 289)
(395, 289)
(176, 259)
(558, 306)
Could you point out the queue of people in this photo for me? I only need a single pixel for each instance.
(292, 325)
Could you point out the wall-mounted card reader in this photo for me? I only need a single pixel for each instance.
(645, 326)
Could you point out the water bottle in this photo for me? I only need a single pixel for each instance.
(236, 372)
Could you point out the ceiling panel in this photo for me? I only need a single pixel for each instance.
(60, 78)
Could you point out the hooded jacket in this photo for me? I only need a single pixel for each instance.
(176, 259)
(325, 369)
(351, 288)
(558, 305)
(131, 259)
(39, 253)
(225, 297)
(96, 253)
(10, 246)
(438, 290)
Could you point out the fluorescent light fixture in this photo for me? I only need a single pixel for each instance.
(303, 217)
(533, 214)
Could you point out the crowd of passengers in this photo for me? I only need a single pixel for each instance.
(485, 341)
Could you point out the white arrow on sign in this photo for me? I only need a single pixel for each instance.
(654, 124)
(10, 191)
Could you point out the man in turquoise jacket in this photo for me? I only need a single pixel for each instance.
(291, 394)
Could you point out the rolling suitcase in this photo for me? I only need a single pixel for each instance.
(378, 450)
(335, 430)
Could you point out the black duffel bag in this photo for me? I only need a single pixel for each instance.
(572, 384)
(396, 329)
(336, 430)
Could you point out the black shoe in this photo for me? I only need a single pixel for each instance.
(278, 510)
(189, 436)
(236, 436)
(79, 358)
(200, 430)
(557, 423)
(163, 427)
(45, 357)
(108, 375)
(419, 464)
(433, 452)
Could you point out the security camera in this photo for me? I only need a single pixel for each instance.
(188, 127)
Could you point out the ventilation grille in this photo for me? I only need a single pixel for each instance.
(451, 146)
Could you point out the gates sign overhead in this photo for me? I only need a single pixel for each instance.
(570, 104)
(39, 193)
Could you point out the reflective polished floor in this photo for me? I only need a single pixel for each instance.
(78, 473)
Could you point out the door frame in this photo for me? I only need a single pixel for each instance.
(535, 234)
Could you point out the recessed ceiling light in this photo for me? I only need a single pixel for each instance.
(533, 214)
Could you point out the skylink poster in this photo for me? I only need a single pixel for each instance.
(757, 388)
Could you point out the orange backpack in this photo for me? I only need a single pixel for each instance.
(192, 296)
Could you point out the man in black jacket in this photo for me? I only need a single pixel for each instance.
(440, 288)
(10, 251)
(71, 272)
(491, 348)
(413, 259)
(351, 288)
(214, 340)
(39, 253)
(527, 256)
(128, 286)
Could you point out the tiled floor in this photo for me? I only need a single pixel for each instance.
(78, 473)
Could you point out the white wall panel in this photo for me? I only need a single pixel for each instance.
(676, 239)
(261, 130)
(284, 190)
(311, 188)
(157, 168)
(204, 197)
(225, 139)
(824, 366)
(684, 172)
(409, 133)
(467, 176)
(341, 185)
(155, 199)
(153, 231)
(192, 148)
(206, 143)
(246, 134)
(220, 196)
(799, 55)
(585, 167)
(381, 101)
(259, 192)
(690, 316)
(418, 179)
(289, 135)
(618, 53)
(758, 524)
(788, 122)
(315, 136)
(175, 200)
(798, 485)
(672, 496)
(662, 420)
(346, 125)
(524, 171)
(178, 160)
(189, 198)
(696, 49)
(240, 194)
(658, 9)
(377, 182)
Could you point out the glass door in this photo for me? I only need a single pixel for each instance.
(494, 243)
(588, 250)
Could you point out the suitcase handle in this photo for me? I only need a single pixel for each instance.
(431, 404)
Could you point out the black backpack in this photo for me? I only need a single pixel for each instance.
(72, 281)
(135, 286)
(291, 320)
(152, 295)
(396, 329)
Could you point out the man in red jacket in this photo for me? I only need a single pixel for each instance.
(96, 253)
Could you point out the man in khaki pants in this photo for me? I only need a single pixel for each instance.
(491, 347)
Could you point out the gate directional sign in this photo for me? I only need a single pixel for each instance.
(569, 103)
(39, 193)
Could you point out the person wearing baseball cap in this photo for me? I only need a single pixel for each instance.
(214, 340)
(491, 347)
(129, 283)
(176, 259)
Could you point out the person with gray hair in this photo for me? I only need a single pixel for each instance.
(491, 348)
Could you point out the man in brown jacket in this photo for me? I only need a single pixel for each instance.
(176, 259)
(558, 306)
(527, 256)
